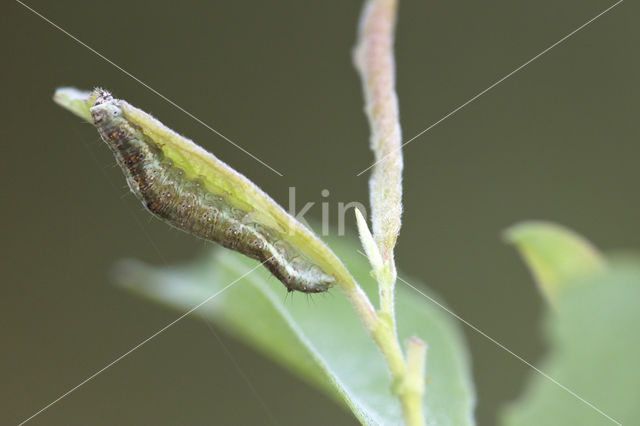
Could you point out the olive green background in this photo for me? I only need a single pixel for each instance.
(557, 141)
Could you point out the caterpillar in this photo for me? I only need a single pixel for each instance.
(184, 203)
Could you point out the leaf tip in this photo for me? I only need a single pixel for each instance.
(77, 101)
(555, 255)
(369, 244)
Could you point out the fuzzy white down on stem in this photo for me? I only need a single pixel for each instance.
(374, 60)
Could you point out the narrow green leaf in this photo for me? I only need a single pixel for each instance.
(321, 340)
(594, 352)
(369, 245)
(556, 256)
(215, 177)
(77, 101)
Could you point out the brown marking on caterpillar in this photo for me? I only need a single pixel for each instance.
(183, 203)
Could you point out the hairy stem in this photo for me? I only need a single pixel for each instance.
(374, 60)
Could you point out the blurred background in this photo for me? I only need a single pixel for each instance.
(556, 141)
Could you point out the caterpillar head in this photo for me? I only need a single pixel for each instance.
(105, 108)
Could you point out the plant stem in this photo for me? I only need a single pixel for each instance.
(387, 341)
(386, 284)
(375, 63)
(412, 388)
(374, 60)
(379, 327)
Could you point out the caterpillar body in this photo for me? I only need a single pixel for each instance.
(166, 192)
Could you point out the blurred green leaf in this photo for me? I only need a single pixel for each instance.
(555, 255)
(320, 339)
(595, 351)
(594, 344)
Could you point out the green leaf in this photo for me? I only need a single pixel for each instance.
(77, 101)
(594, 351)
(322, 340)
(212, 174)
(555, 255)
